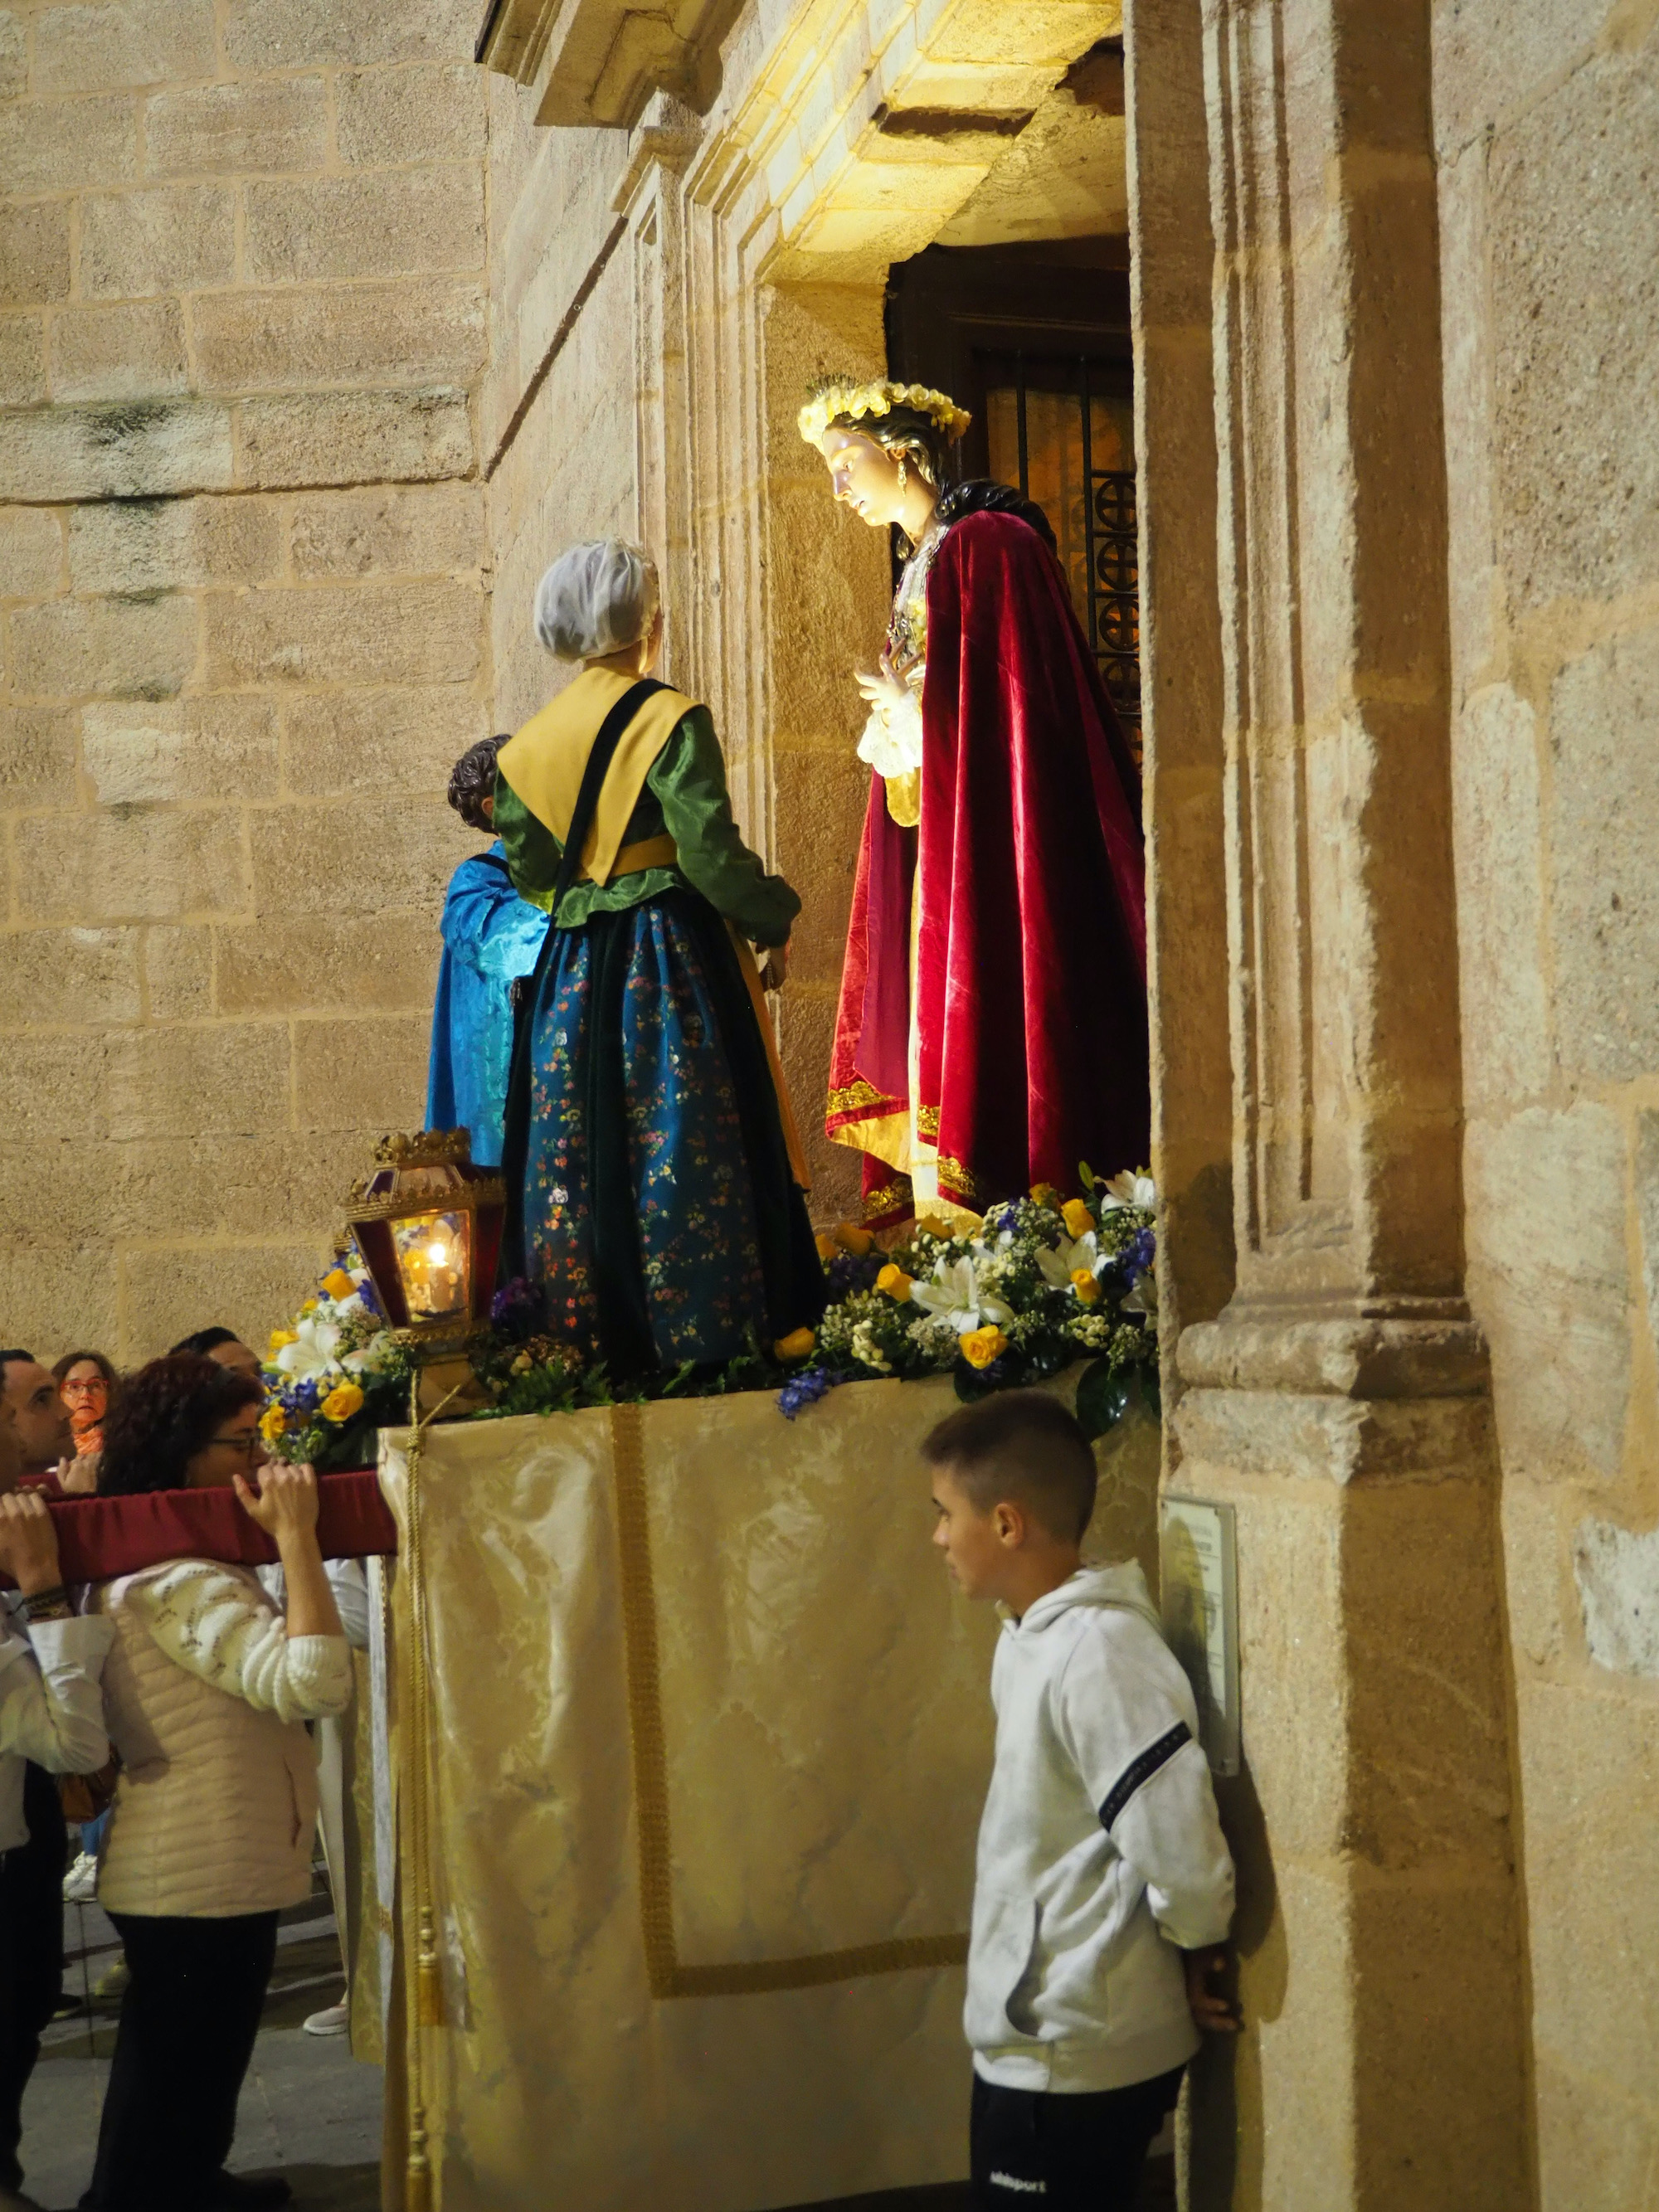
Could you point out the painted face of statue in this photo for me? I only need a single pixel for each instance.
(865, 476)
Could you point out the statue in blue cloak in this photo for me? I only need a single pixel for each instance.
(491, 936)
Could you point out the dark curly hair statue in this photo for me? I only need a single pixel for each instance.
(167, 1413)
(472, 780)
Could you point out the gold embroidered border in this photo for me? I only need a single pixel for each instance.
(927, 1122)
(851, 1096)
(667, 1976)
(958, 1177)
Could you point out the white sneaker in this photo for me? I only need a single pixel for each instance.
(81, 1882)
(333, 2019)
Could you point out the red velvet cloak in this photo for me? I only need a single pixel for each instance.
(1031, 940)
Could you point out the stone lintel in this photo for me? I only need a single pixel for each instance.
(1431, 1350)
(598, 62)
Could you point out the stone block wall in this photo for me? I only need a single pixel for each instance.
(1548, 119)
(243, 631)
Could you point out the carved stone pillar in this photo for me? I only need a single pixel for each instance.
(1338, 1400)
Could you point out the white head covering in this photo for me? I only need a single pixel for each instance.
(596, 598)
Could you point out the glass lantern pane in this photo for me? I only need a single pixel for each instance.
(433, 1255)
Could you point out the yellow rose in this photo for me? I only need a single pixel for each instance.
(344, 1400)
(272, 1423)
(1076, 1217)
(339, 1285)
(894, 1280)
(982, 1345)
(930, 1226)
(1044, 1194)
(279, 1337)
(799, 1344)
(828, 1248)
(853, 1239)
(1084, 1284)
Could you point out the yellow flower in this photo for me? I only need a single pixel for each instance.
(853, 1239)
(339, 1285)
(799, 1344)
(930, 1226)
(279, 1337)
(272, 1422)
(309, 1306)
(1044, 1194)
(344, 1400)
(982, 1345)
(828, 1248)
(1076, 1217)
(894, 1280)
(1084, 1284)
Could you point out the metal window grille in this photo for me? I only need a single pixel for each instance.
(1111, 556)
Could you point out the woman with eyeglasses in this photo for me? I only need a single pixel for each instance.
(208, 1688)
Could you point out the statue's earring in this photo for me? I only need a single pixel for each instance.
(904, 477)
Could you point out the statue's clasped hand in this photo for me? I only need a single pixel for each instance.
(882, 691)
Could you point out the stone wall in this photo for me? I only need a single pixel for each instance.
(243, 629)
(1547, 121)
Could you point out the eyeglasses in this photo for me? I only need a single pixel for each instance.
(245, 1441)
(90, 1388)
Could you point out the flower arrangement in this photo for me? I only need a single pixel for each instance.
(1038, 1285)
(835, 399)
(336, 1374)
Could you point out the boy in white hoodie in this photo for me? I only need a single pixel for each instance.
(1100, 1860)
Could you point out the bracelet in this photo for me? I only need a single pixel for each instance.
(48, 1605)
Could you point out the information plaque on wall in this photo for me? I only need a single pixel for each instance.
(1199, 1573)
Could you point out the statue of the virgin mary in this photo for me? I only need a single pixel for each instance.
(992, 1032)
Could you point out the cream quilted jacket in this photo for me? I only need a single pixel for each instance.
(207, 1697)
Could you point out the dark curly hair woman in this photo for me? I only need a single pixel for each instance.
(207, 1692)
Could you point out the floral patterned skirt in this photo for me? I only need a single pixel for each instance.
(656, 1205)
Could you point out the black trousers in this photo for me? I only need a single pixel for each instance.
(1070, 2154)
(31, 1953)
(188, 2020)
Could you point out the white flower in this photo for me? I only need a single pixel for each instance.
(866, 1348)
(379, 1352)
(1142, 1296)
(954, 1294)
(1127, 1189)
(1069, 1257)
(313, 1353)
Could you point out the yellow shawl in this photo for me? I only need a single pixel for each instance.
(544, 763)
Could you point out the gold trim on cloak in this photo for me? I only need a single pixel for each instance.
(667, 1976)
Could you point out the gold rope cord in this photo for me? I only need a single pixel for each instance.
(667, 1976)
(429, 2008)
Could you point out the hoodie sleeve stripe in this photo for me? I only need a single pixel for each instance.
(1142, 1769)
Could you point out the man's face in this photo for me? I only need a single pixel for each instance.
(238, 1356)
(976, 1546)
(42, 1418)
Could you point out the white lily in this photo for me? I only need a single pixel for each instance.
(313, 1353)
(369, 1359)
(1142, 1296)
(953, 1294)
(1063, 1263)
(1127, 1189)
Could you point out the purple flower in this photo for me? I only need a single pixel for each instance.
(846, 1275)
(366, 1292)
(516, 1308)
(805, 1389)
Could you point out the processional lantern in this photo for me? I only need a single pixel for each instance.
(428, 1226)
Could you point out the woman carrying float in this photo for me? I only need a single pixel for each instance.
(654, 1182)
(992, 1032)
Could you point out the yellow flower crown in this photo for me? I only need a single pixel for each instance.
(854, 402)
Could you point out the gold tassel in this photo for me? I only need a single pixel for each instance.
(417, 2173)
(429, 1977)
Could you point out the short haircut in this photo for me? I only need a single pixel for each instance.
(15, 1352)
(166, 1414)
(203, 1341)
(597, 599)
(1024, 1447)
(472, 780)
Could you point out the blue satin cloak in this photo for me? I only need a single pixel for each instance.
(490, 936)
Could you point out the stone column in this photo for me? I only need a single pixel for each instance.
(1339, 1401)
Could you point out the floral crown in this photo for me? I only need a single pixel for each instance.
(838, 402)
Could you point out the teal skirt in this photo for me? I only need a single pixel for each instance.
(649, 1190)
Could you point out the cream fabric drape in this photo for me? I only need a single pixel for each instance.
(707, 1736)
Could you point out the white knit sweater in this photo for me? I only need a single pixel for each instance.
(207, 1697)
